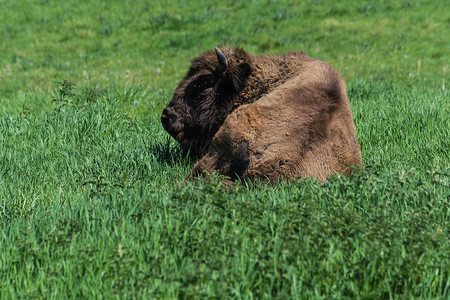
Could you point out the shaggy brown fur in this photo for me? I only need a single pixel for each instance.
(266, 117)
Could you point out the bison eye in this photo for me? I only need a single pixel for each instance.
(206, 91)
(199, 87)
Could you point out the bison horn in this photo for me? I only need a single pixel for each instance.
(223, 64)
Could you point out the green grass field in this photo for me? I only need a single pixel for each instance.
(93, 201)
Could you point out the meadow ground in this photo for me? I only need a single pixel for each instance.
(93, 201)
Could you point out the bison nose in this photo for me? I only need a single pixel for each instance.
(168, 117)
(165, 118)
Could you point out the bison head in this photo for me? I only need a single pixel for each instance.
(205, 97)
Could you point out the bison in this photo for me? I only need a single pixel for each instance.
(263, 117)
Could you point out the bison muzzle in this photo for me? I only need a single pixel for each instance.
(263, 117)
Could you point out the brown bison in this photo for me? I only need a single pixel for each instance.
(267, 117)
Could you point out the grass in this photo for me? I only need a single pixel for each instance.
(93, 201)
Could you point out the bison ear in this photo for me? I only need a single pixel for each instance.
(239, 75)
(223, 64)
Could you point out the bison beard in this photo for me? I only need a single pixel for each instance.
(263, 117)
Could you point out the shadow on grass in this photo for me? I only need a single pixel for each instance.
(167, 152)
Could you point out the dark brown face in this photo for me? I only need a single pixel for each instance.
(202, 101)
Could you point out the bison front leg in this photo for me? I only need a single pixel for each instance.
(230, 163)
(206, 165)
